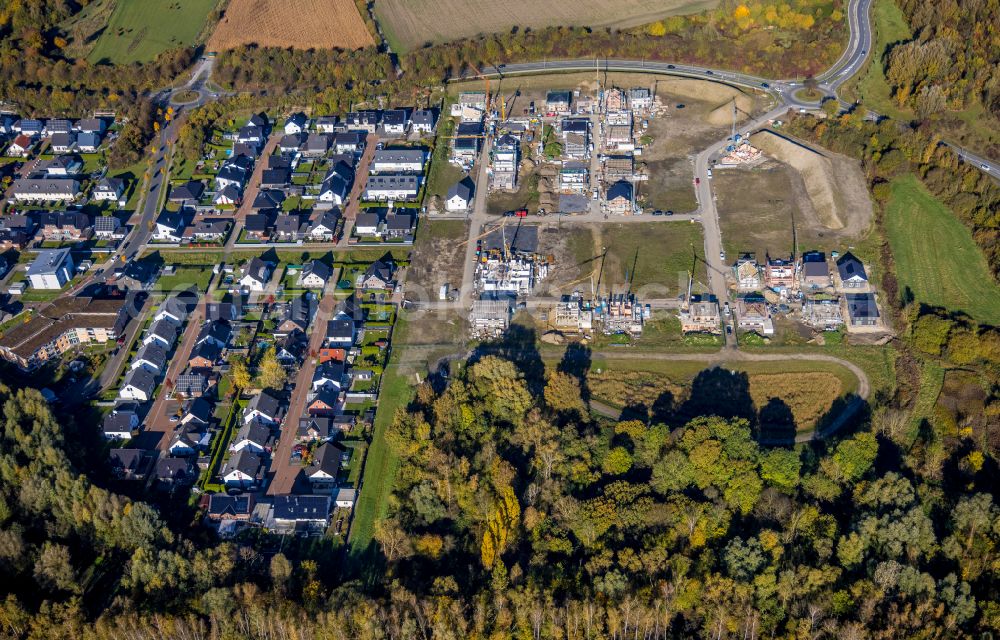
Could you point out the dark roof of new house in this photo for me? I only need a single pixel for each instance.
(190, 384)
(172, 468)
(814, 264)
(140, 379)
(220, 504)
(245, 461)
(322, 425)
(257, 222)
(275, 177)
(152, 353)
(257, 269)
(382, 269)
(341, 328)
(218, 330)
(254, 432)
(268, 199)
(326, 459)
(297, 118)
(191, 190)
(463, 189)
(118, 421)
(850, 267)
(289, 224)
(264, 403)
(199, 409)
(164, 329)
(328, 220)
(862, 305)
(317, 268)
(620, 189)
(206, 350)
(127, 459)
(180, 305)
(301, 508)
(399, 222)
(318, 142)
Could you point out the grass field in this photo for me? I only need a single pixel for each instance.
(408, 24)
(890, 27)
(656, 256)
(936, 257)
(808, 388)
(300, 24)
(138, 30)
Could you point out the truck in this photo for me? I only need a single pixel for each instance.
(521, 213)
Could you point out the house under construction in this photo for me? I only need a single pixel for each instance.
(507, 263)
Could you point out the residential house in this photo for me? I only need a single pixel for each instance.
(45, 189)
(63, 142)
(268, 199)
(119, 424)
(190, 190)
(130, 464)
(558, 102)
(65, 226)
(329, 375)
(779, 274)
(349, 142)
(243, 470)
(30, 127)
(227, 195)
(324, 228)
(291, 143)
(326, 124)
(395, 122)
(296, 123)
(256, 274)
(20, 147)
(204, 356)
(260, 225)
(314, 275)
(313, 428)
(228, 311)
(59, 167)
(57, 126)
(505, 160)
(366, 121)
(263, 408)
(337, 183)
(317, 145)
(301, 513)
(398, 161)
(254, 436)
(701, 316)
(326, 402)
(176, 308)
(367, 224)
(222, 506)
(464, 150)
(296, 316)
(747, 273)
(87, 142)
(325, 468)
(217, 332)
(490, 317)
(400, 225)
(172, 472)
(191, 385)
(189, 440)
(109, 189)
(163, 333)
(290, 347)
(209, 230)
(91, 125)
(378, 275)
(345, 497)
(169, 226)
(290, 227)
(851, 272)
(384, 187)
(198, 413)
(752, 314)
(815, 270)
(139, 385)
(574, 177)
(460, 195)
(252, 136)
(234, 171)
(16, 230)
(275, 178)
(425, 121)
(640, 99)
(862, 311)
(51, 269)
(340, 332)
(619, 198)
(63, 324)
(151, 357)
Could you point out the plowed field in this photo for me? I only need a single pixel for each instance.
(301, 24)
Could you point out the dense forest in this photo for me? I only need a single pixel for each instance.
(954, 60)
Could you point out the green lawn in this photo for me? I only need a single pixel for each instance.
(654, 255)
(185, 277)
(139, 30)
(936, 257)
(382, 464)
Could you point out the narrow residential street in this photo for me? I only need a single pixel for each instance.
(251, 191)
(283, 472)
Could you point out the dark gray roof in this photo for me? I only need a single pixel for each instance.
(620, 189)
(862, 305)
(152, 353)
(850, 267)
(200, 410)
(243, 460)
(463, 188)
(220, 504)
(301, 508)
(326, 459)
(164, 329)
(118, 421)
(140, 379)
(318, 268)
(191, 190)
(254, 432)
(265, 403)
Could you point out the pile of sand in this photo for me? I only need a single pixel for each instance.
(817, 171)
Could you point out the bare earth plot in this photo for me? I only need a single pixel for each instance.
(822, 193)
(412, 23)
(301, 24)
